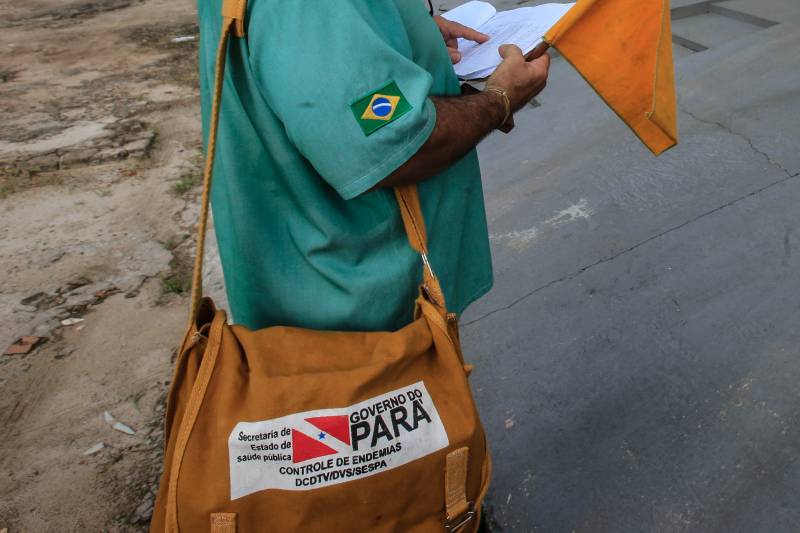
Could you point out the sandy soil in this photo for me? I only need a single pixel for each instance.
(99, 157)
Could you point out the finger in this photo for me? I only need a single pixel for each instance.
(545, 61)
(455, 55)
(541, 63)
(508, 51)
(465, 32)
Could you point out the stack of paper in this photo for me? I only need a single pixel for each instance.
(523, 27)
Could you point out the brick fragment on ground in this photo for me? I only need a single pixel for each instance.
(23, 345)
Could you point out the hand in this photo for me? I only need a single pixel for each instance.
(521, 79)
(451, 31)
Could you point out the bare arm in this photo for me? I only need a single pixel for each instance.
(462, 121)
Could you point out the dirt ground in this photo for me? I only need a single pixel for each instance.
(99, 158)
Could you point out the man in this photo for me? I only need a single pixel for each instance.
(327, 105)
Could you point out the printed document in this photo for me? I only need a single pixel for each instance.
(523, 27)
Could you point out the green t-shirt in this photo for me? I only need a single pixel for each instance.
(322, 100)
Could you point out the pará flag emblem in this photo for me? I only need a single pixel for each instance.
(380, 107)
(318, 442)
(336, 426)
(305, 447)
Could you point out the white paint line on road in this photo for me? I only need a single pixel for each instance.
(581, 210)
(522, 239)
(518, 240)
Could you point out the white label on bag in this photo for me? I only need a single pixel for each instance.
(320, 448)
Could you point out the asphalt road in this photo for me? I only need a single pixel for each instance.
(638, 361)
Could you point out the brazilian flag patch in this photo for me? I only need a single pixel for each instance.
(379, 108)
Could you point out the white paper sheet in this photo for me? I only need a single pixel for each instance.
(523, 27)
(472, 14)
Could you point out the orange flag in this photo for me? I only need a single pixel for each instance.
(623, 48)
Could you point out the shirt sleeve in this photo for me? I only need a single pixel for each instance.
(339, 75)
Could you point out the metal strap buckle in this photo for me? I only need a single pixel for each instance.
(463, 520)
(427, 263)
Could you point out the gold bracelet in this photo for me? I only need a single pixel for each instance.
(506, 101)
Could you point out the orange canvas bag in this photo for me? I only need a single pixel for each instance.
(288, 429)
